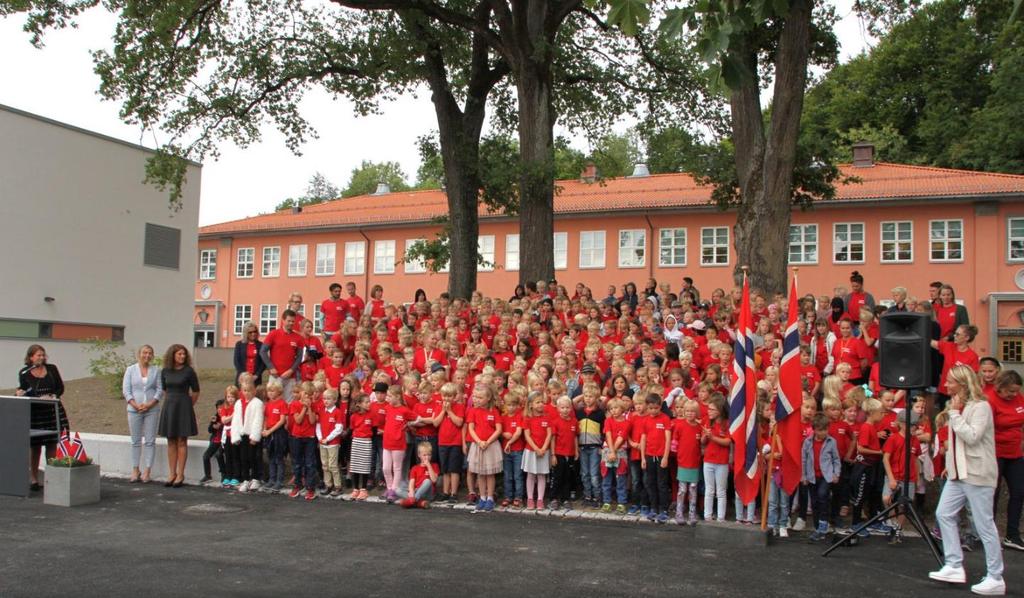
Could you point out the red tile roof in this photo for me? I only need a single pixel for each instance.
(883, 181)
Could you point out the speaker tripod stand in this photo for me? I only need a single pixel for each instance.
(904, 502)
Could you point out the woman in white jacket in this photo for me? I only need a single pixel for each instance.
(247, 435)
(971, 473)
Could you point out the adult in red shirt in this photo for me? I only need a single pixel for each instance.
(1008, 416)
(948, 313)
(857, 298)
(852, 350)
(955, 353)
(356, 305)
(334, 310)
(282, 351)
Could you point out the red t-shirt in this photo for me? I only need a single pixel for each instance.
(418, 474)
(867, 437)
(850, 350)
(484, 422)
(426, 410)
(811, 375)
(420, 358)
(395, 420)
(857, 301)
(655, 427)
(284, 348)
(565, 431)
(301, 429)
(637, 423)
(273, 411)
(1008, 416)
(539, 427)
(334, 313)
(503, 361)
(328, 421)
(842, 432)
(511, 423)
(378, 412)
(361, 425)
(687, 440)
(816, 451)
(334, 375)
(618, 429)
(251, 355)
(939, 461)
(448, 434)
(714, 452)
(951, 357)
(946, 317)
(894, 447)
(356, 305)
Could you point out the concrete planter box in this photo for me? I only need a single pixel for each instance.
(72, 486)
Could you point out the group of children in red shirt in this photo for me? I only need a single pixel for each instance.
(567, 397)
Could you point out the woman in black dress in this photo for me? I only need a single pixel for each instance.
(41, 379)
(178, 417)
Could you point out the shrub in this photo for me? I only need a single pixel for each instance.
(110, 362)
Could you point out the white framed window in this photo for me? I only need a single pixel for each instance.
(946, 239)
(485, 248)
(848, 243)
(632, 248)
(297, 257)
(714, 246)
(246, 258)
(268, 318)
(897, 242)
(1015, 239)
(672, 247)
(355, 257)
(561, 248)
(208, 264)
(243, 314)
(301, 310)
(592, 249)
(325, 259)
(511, 253)
(271, 262)
(383, 257)
(803, 243)
(318, 319)
(416, 266)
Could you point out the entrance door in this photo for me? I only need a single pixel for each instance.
(203, 339)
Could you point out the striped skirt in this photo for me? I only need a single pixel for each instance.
(362, 456)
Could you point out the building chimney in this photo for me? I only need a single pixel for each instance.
(640, 171)
(296, 209)
(382, 189)
(863, 155)
(589, 174)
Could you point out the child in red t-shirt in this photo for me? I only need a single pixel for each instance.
(449, 441)
(360, 463)
(513, 444)
(397, 419)
(637, 492)
(213, 449)
(275, 436)
(614, 455)
(566, 452)
(536, 456)
(302, 422)
(865, 478)
(894, 461)
(716, 442)
(686, 435)
(484, 432)
(329, 426)
(225, 412)
(422, 478)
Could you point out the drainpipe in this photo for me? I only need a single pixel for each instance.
(366, 269)
(650, 262)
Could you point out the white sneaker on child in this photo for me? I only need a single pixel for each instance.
(254, 485)
(783, 532)
(243, 487)
(799, 525)
(990, 587)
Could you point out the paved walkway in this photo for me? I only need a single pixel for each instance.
(206, 542)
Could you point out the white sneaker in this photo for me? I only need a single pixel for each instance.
(784, 532)
(990, 587)
(254, 485)
(799, 525)
(243, 487)
(949, 574)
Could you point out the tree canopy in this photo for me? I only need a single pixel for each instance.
(319, 190)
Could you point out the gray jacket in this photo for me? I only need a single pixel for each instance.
(830, 463)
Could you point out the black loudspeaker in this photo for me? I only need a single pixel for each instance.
(904, 350)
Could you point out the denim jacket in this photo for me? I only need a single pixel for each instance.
(829, 460)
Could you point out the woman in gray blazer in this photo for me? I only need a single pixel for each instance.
(143, 392)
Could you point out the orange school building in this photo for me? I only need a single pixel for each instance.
(900, 225)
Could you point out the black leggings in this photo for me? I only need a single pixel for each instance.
(864, 487)
(1012, 470)
(563, 478)
(214, 450)
(251, 457)
(657, 484)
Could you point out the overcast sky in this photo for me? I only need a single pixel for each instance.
(58, 82)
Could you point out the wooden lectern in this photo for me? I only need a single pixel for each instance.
(15, 440)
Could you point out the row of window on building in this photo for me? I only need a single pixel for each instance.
(945, 238)
(267, 320)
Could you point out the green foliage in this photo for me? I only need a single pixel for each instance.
(319, 190)
(68, 462)
(366, 176)
(110, 361)
(890, 146)
(671, 148)
(615, 155)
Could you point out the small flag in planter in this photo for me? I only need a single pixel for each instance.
(78, 451)
(71, 448)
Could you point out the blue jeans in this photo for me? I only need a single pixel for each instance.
(611, 480)
(304, 462)
(425, 491)
(515, 484)
(590, 470)
(778, 507)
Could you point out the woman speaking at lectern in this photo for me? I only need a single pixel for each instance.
(41, 379)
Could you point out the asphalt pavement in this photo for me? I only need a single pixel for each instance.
(194, 541)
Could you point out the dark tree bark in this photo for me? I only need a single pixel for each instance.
(764, 163)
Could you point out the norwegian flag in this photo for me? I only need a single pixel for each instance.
(78, 449)
(787, 404)
(742, 401)
(64, 448)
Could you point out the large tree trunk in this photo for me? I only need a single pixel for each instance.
(536, 181)
(765, 166)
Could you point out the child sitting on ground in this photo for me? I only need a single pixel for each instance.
(422, 478)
